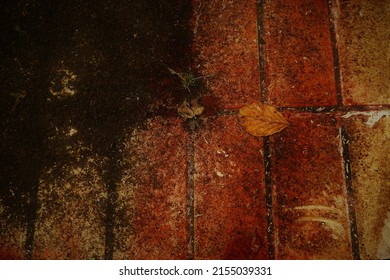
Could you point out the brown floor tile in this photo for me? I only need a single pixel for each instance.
(298, 54)
(151, 210)
(225, 46)
(230, 211)
(71, 204)
(370, 157)
(363, 29)
(310, 212)
(12, 238)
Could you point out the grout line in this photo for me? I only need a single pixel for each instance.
(336, 109)
(319, 109)
(191, 191)
(267, 153)
(336, 61)
(31, 219)
(314, 110)
(261, 44)
(113, 173)
(110, 212)
(344, 135)
(268, 198)
(324, 109)
(350, 194)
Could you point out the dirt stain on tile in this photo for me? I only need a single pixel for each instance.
(363, 36)
(75, 77)
(369, 152)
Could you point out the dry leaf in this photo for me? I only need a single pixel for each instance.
(185, 111)
(191, 110)
(261, 120)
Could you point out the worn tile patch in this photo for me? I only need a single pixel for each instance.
(298, 54)
(151, 207)
(225, 47)
(309, 192)
(384, 245)
(363, 31)
(12, 237)
(369, 153)
(63, 83)
(72, 202)
(13, 220)
(230, 207)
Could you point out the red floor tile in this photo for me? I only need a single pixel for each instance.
(298, 54)
(225, 46)
(151, 210)
(173, 188)
(230, 215)
(310, 216)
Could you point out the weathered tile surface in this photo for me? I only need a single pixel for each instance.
(230, 216)
(310, 213)
(225, 46)
(151, 210)
(363, 29)
(179, 189)
(370, 157)
(12, 237)
(72, 201)
(298, 53)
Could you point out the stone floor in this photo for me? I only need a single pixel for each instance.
(169, 187)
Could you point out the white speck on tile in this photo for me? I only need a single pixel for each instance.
(219, 173)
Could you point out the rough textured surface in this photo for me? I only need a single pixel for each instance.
(230, 216)
(96, 162)
(225, 46)
(370, 157)
(71, 203)
(151, 210)
(384, 245)
(12, 238)
(298, 53)
(75, 76)
(363, 42)
(311, 220)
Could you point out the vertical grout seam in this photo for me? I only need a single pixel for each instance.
(336, 60)
(112, 178)
(350, 194)
(267, 153)
(261, 44)
(110, 218)
(31, 219)
(268, 198)
(191, 192)
(332, 7)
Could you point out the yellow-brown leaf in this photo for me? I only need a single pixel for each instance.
(261, 120)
